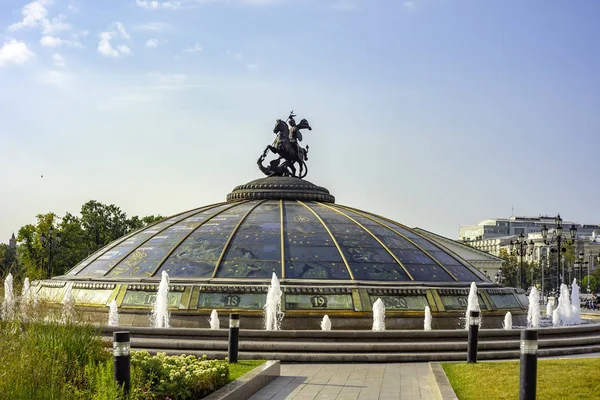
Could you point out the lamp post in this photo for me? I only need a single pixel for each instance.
(521, 248)
(581, 263)
(559, 238)
(544, 262)
(474, 321)
(122, 359)
(50, 241)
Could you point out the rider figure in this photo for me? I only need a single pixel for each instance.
(294, 135)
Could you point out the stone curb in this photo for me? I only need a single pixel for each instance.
(348, 334)
(248, 384)
(440, 386)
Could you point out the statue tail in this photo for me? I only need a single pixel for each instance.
(305, 170)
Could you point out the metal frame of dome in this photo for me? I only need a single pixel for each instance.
(144, 254)
(346, 295)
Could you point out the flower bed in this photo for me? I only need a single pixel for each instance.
(178, 377)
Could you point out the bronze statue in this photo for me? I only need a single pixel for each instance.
(287, 146)
(275, 168)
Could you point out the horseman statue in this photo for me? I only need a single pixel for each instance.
(287, 147)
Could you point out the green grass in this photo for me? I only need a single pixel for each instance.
(242, 367)
(576, 378)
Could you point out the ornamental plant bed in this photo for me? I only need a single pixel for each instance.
(48, 359)
(566, 379)
(181, 377)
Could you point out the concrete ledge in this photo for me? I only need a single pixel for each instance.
(246, 385)
(440, 386)
(319, 335)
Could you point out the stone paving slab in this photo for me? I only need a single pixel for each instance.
(409, 381)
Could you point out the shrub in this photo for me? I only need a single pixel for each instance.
(47, 360)
(179, 377)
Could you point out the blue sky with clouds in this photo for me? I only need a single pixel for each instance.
(434, 113)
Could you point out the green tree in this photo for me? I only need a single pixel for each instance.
(34, 257)
(102, 224)
(135, 222)
(98, 225)
(8, 260)
(594, 283)
(510, 269)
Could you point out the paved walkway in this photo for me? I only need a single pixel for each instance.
(407, 381)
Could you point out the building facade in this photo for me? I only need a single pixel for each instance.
(492, 235)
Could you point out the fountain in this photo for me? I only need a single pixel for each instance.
(549, 307)
(113, 314)
(272, 308)
(160, 314)
(555, 317)
(533, 312)
(68, 312)
(564, 306)
(35, 297)
(326, 324)
(214, 320)
(507, 321)
(575, 305)
(8, 304)
(25, 297)
(379, 316)
(427, 322)
(472, 305)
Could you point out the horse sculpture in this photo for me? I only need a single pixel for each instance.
(287, 147)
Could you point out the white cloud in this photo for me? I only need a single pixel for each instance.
(53, 41)
(194, 49)
(105, 47)
(57, 78)
(157, 5)
(54, 25)
(153, 27)
(122, 31)
(59, 61)
(410, 5)
(124, 49)
(33, 14)
(152, 43)
(14, 52)
(252, 66)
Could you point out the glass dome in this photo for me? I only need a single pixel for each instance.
(273, 226)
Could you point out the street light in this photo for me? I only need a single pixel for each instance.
(521, 248)
(50, 242)
(559, 238)
(580, 263)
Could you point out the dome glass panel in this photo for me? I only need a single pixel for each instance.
(250, 239)
(201, 250)
(309, 250)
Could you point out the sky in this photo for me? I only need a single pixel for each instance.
(434, 113)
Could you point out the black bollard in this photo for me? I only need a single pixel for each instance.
(121, 349)
(234, 334)
(474, 321)
(529, 346)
